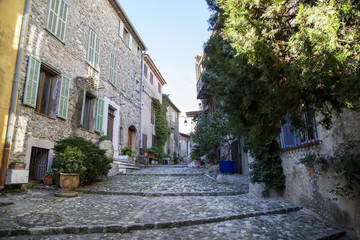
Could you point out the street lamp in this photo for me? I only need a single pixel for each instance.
(185, 123)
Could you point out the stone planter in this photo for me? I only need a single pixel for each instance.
(17, 165)
(68, 182)
(48, 180)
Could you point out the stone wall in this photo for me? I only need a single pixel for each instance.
(69, 59)
(311, 188)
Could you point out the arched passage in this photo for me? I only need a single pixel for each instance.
(132, 136)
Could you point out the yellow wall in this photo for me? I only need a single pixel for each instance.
(11, 12)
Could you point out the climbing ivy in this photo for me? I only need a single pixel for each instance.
(162, 129)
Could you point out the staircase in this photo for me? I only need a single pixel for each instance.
(124, 164)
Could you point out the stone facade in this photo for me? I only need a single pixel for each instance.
(69, 58)
(311, 188)
(185, 146)
(172, 116)
(152, 84)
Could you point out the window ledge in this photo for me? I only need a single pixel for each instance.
(305, 145)
(85, 130)
(53, 35)
(45, 115)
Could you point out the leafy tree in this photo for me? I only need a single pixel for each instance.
(269, 59)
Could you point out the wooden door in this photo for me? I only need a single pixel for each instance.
(129, 137)
(110, 123)
(38, 163)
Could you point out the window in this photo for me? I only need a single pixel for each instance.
(92, 113)
(113, 69)
(125, 35)
(145, 70)
(152, 120)
(45, 90)
(173, 116)
(57, 18)
(291, 137)
(153, 140)
(159, 88)
(94, 50)
(151, 78)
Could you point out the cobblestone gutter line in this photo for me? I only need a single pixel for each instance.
(164, 194)
(164, 174)
(122, 228)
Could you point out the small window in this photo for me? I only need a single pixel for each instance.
(57, 18)
(144, 141)
(92, 113)
(153, 140)
(46, 84)
(151, 78)
(113, 69)
(291, 137)
(121, 29)
(127, 39)
(145, 71)
(159, 88)
(89, 105)
(94, 50)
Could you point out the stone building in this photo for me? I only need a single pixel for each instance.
(172, 116)
(80, 76)
(184, 146)
(153, 82)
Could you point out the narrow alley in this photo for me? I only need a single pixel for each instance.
(158, 202)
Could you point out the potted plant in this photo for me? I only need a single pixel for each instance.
(49, 176)
(70, 164)
(128, 151)
(17, 164)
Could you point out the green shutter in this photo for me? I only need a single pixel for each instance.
(99, 115)
(94, 50)
(112, 68)
(83, 107)
(58, 18)
(64, 98)
(32, 82)
(130, 41)
(121, 29)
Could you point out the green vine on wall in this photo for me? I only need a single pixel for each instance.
(345, 163)
(162, 129)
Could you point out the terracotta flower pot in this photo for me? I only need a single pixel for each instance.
(68, 182)
(17, 165)
(48, 180)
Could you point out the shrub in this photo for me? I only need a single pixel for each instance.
(71, 161)
(95, 161)
(128, 151)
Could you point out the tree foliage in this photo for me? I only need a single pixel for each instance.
(268, 59)
(211, 132)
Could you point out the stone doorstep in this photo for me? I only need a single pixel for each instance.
(122, 228)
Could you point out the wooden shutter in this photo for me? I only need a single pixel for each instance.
(144, 139)
(99, 115)
(64, 98)
(130, 41)
(121, 29)
(152, 119)
(96, 52)
(112, 68)
(32, 82)
(58, 18)
(83, 107)
(62, 19)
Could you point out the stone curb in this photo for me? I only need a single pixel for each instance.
(163, 175)
(163, 194)
(122, 228)
(332, 235)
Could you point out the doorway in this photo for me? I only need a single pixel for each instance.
(38, 163)
(132, 137)
(110, 122)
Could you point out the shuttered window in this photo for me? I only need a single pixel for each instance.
(58, 18)
(32, 82)
(112, 69)
(151, 78)
(99, 116)
(152, 118)
(64, 98)
(94, 50)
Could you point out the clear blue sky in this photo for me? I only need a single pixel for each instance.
(174, 32)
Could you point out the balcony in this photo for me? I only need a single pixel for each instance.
(202, 90)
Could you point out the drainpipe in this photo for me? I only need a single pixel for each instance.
(10, 126)
(141, 95)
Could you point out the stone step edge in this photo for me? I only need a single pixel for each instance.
(123, 228)
(164, 175)
(164, 194)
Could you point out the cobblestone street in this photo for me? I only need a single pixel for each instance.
(164, 202)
